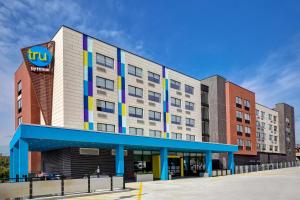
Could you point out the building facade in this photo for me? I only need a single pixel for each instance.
(94, 86)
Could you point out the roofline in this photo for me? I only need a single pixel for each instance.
(212, 76)
(197, 79)
(267, 107)
(239, 86)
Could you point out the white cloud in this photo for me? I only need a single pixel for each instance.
(276, 80)
(28, 22)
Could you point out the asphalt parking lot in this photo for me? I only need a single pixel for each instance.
(281, 184)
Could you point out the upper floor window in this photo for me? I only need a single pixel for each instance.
(270, 127)
(262, 114)
(104, 60)
(238, 102)
(247, 104)
(205, 113)
(104, 83)
(136, 131)
(189, 89)
(248, 145)
(106, 127)
(270, 117)
(175, 102)
(135, 112)
(135, 71)
(135, 91)
(153, 77)
(190, 137)
(239, 129)
(154, 115)
(154, 96)
(175, 84)
(190, 122)
(239, 116)
(176, 119)
(247, 118)
(19, 105)
(105, 106)
(257, 112)
(176, 136)
(274, 118)
(155, 133)
(20, 120)
(19, 87)
(189, 105)
(204, 94)
(275, 128)
(247, 131)
(240, 143)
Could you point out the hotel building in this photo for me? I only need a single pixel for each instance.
(158, 120)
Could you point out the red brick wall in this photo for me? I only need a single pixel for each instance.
(232, 91)
(30, 111)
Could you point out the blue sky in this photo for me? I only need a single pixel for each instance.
(252, 43)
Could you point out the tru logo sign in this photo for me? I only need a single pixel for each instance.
(39, 56)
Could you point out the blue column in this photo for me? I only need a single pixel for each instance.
(231, 162)
(164, 172)
(23, 158)
(11, 163)
(119, 160)
(208, 163)
(15, 160)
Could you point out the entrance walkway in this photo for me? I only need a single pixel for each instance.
(279, 184)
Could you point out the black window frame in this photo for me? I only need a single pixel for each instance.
(105, 83)
(175, 102)
(189, 89)
(19, 87)
(152, 78)
(19, 105)
(156, 97)
(105, 109)
(190, 120)
(135, 91)
(135, 112)
(188, 105)
(135, 71)
(105, 62)
(155, 113)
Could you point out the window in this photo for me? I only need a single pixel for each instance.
(155, 133)
(135, 112)
(205, 113)
(274, 118)
(19, 105)
(190, 137)
(175, 102)
(136, 131)
(104, 60)
(175, 84)
(154, 96)
(19, 87)
(271, 137)
(240, 143)
(104, 83)
(263, 146)
(106, 127)
(271, 147)
(262, 115)
(238, 102)
(153, 115)
(190, 122)
(246, 104)
(248, 145)
(153, 77)
(258, 146)
(189, 105)
(189, 89)
(257, 112)
(270, 127)
(239, 116)
(247, 131)
(263, 125)
(247, 118)
(205, 128)
(105, 106)
(275, 138)
(276, 148)
(135, 71)
(135, 91)
(176, 119)
(239, 129)
(176, 136)
(258, 124)
(275, 128)
(19, 120)
(204, 94)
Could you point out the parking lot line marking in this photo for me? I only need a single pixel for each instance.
(140, 191)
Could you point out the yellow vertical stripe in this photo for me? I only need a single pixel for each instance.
(119, 82)
(123, 109)
(85, 58)
(90, 105)
(167, 118)
(86, 126)
(140, 191)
